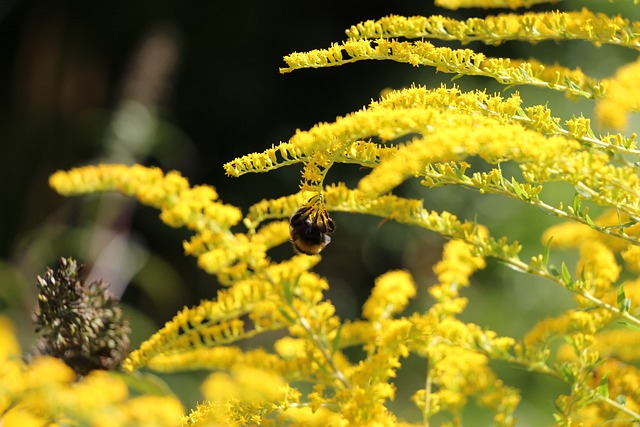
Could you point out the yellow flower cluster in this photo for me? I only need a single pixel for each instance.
(488, 126)
(512, 4)
(390, 296)
(376, 40)
(181, 206)
(246, 396)
(45, 391)
(621, 97)
(447, 60)
(613, 378)
(458, 353)
(457, 265)
(532, 26)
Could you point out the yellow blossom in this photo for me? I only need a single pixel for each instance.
(152, 410)
(457, 265)
(245, 383)
(9, 346)
(513, 4)
(631, 257)
(621, 97)
(389, 296)
(46, 391)
(598, 266)
(494, 29)
(19, 417)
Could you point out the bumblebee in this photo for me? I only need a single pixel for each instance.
(310, 229)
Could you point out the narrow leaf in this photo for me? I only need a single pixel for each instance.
(286, 315)
(518, 189)
(566, 277)
(545, 253)
(336, 340)
(622, 300)
(575, 205)
(628, 325)
(603, 387)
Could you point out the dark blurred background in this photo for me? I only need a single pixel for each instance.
(192, 85)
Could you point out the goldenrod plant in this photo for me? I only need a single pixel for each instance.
(436, 136)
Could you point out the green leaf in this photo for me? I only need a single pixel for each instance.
(590, 222)
(566, 277)
(567, 373)
(603, 387)
(335, 342)
(545, 253)
(286, 315)
(575, 205)
(620, 226)
(518, 189)
(571, 84)
(624, 303)
(560, 420)
(524, 73)
(628, 325)
(288, 292)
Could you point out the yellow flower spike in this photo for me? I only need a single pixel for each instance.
(9, 346)
(621, 97)
(180, 205)
(445, 97)
(153, 411)
(631, 257)
(226, 358)
(91, 398)
(543, 160)
(587, 322)
(46, 370)
(214, 260)
(390, 295)
(217, 322)
(537, 117)
(289, 348)
(272, 234)
(598, 266)
(456, 61)
(632, 292)
(621, 344)
(460, 372)
(249, 385)
(221, 386)
(453, 272)
(321, 417)
(20, 417)
(455, 136)
(532, 26)
(280, 208)
(582, 325)
(572, 235)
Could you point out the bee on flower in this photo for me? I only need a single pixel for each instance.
(310, 229)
